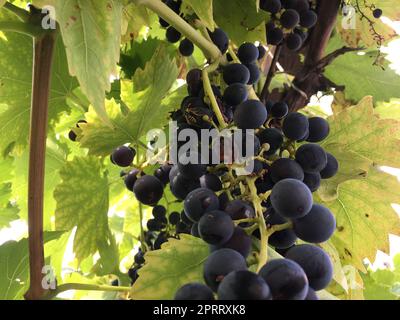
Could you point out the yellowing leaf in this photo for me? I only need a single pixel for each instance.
(145, 110)
(365, 217)
(91, 31)
(166, 270)
(82, 201)
(359, 130)
(367, 28)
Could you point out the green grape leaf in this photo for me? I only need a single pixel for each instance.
(8, 210)
(91, 31)
(134, 18)
(16, 82)
(356, 140)
(55, 159)
(361, 77)
(146, 109)
(82, 201)
(383, 284)
(367, 29)
(167, 269)
(240, 20)
(14, 267)
(204, 10)
(364, 217)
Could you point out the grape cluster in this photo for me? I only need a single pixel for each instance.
(227, 209)
(290, 21)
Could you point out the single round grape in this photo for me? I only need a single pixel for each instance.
(192, 167)
(131, 178)
(331, 168)
(235, 94)
(211, 181)
(308, 19)
(162, 173)
(315, 262)
(274, 36)
(318, 129)
(159, 212)
(289, 19)
(248, 139)
(291, 199)
(261, 52)
(182, 228)
(273, 137)
(181, 186)
(250, 114)
(174, 218)
(194, 291)
(285, 168)
(280, 239)
(220, 39)
(294, 41)
(194, 82)
(236, 73)
(148, 190)
(279, 110)
(311, 294)
(286, 279)
(72, 135)
(186, 47)
(243, 285)
(317, 226)
(216, 227)
(219, 264)
(239, 209)
(173, 35)
(194, 231)
(312, 181)
(139, 257)
(254, 73)
(123, 156)
(311, 157)
(200, 201)
(248, 53)
(240, 242)
(377, 13)
(272, 6)
(295, 126)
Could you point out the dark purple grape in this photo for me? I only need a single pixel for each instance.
(186, 47)
(194, 291)
(123, 156)
(148, 190)
(290, 18)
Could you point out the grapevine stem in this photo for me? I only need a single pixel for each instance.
(86, 287)
(42, 65)
(22, 14)
(161, 9)
(209, 92)
(21, 27)
(263, 256)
